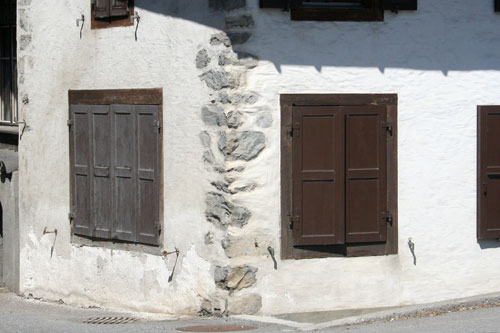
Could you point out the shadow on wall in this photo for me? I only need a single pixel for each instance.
(442, 35)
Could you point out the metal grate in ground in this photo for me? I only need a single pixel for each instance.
(110, 320)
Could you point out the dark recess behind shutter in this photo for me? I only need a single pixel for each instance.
(488, 187)
(119, 7)
(400, 4)
(497, 5)
(102, 8)
(273, 4)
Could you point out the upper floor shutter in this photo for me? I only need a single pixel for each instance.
(489, 172)
(102, 8)
(366, 174)
(318, 176)
(119, 7)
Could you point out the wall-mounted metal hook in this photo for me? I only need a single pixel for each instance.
(411, 245)
(26, 127)
(82, 19)
(138, 18)
(271, 252)
(45, 231)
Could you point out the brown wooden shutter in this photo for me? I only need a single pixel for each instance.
(124, 149)
(318, 187)
(119, 7)
(80, 148)
(102, 8)
(366, 174)
(148, 134)
(488, 172)
(400, 4)
(101, 180)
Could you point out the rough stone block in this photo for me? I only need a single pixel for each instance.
(245, 304)
(216, 79)
(202, 59)
(223, 213)
(234, 119)
(247, 60)
(246, 245)
(213, 115)
(220, 38)
(235, 278)
(245, 145)
(264, 120)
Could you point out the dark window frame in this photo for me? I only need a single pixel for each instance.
(8, 29)
(121, 96)
(288, 251)
(112, 22)
(372, 11)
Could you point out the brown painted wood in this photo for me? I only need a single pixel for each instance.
(318, 182)
(488, 189)
(288, 102)
(117, 96)
(108, 17)
(118, 8)
(366, 183)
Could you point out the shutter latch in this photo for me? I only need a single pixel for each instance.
(157, 124)
(292, 220)
(293, 128)
(71, 216)
(387, 216)
(388, 127)
(70, 122)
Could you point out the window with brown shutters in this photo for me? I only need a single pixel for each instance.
(338, 175)
(339, 10)
(111, 13)
(115, 154)
(488, 185)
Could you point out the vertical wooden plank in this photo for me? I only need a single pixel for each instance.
(101, 8)
(125, 172)
(318, 195)
(489, 172)
(366, 174)
(119, 8)
(80, 151)
(147, 173)
(101, 173)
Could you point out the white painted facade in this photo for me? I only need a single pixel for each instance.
(441, 60)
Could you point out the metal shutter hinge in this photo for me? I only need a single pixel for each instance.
(293, 129)
(71, 216)
(292, 220)
(70, 122)
(157, 124)
(387, 216)
(388, 127)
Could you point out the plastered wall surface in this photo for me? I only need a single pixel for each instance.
(441, 61)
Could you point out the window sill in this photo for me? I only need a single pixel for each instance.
(79, 241)
(9, 129)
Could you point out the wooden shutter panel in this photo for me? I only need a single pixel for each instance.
(400, 4)
(101, 181)
(119, 7)
(489, 172)
(80, 148)
(124, 149)
(497, 5)
(102, 8)
(318, 195)
(366, 174)
(148, 135)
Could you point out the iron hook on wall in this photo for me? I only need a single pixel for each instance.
(82, 19)
(138, 18)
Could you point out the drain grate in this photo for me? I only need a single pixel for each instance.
(110, 320)
(218, 328)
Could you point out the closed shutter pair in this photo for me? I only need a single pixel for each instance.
(114, 153)
(339, 167)
(110, 8)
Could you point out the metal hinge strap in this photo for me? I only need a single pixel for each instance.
(387, 216)
(70, 122)
(388, 127)
(292, 220)
(71, 216)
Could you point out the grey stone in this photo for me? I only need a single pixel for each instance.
(234, 119)
(215, 79)
(213, 115)
(23, 2)
(202, 59)
(225, 59)
(222, 142)
(239, 37)
(210, 308)
(227, 5)
(245, 304)
(221, 186)
(220, 38)
(237, 169)
(242, 21)
(246, 245)
(206, 141)
(247, 59)
(208, 157)
(223, 213)
(245, 188)
(224, 97)
(264, 120)
(24, 22)
(237, 99)
(235, 278)
(234, 80)
(245, 145)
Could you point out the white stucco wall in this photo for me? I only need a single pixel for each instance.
(441, 61)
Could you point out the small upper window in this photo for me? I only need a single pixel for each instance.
(111, 13)
(339, 10)
(8, 63)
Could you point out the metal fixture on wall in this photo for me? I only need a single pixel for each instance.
(411, 245)
(138, 19)
(82, 19)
